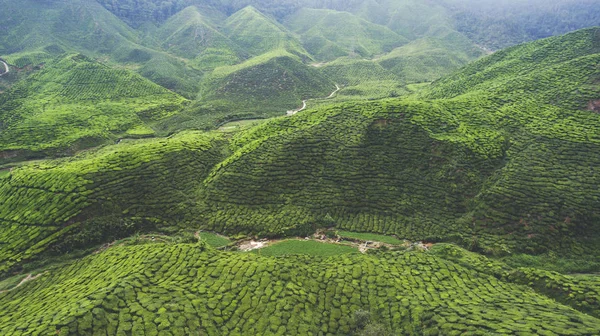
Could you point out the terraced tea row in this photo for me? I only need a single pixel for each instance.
(508, 171)
(490, 173)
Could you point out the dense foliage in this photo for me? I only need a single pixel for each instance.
(182, 44)
(64, 205)
(185, 289)
(112, 231)
(472, 162)
(483, 164)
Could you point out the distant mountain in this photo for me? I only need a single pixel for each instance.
(279, 77)
(431, 57)
(259, 34)
(39, 31)
(180, 44)
(492, 24)
(191, 35)
(497, 25)
(330, 34)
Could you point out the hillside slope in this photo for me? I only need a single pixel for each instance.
(500, 25)
(30, 26)
(504, 162)
(191, 35)
(430, 58)
(39, 31)
(75, 103)
(498, 158)
(56, 207)
(259, 34)
(263, 86)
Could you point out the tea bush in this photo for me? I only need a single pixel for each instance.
(185, 289)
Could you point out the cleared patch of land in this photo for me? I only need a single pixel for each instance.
(371, 237)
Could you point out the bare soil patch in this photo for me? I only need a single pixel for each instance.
(594, 105)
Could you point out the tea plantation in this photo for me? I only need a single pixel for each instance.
(508, 166)
(124, 207)
(64, 205)
(158, 289)
(75, 103)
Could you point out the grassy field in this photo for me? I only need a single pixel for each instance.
(309, 247)
(213, 239)
(371, 237)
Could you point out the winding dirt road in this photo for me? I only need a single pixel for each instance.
(6, 68)
(292, 112)
(337, 88)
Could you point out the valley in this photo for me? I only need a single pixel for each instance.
(436, 171)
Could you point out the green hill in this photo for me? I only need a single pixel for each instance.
(412, 19)
(513, 21)
(176, 43)
(542, 94)
(190, 34)
(328, 34)
(369, 166)
(56, 207)
(138, 13)
(504, 163)
(75, 103)
(361, 79)
(430, 58)
(39, 31)
(496, 157)
(486, 180)
(263, 86)
(33, 25)
(259, 34)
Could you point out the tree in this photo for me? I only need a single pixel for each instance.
(362, 318)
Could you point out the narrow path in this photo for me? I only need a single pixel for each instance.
(337, 88)
(292, 112)
(30, 277)
(6, 68)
